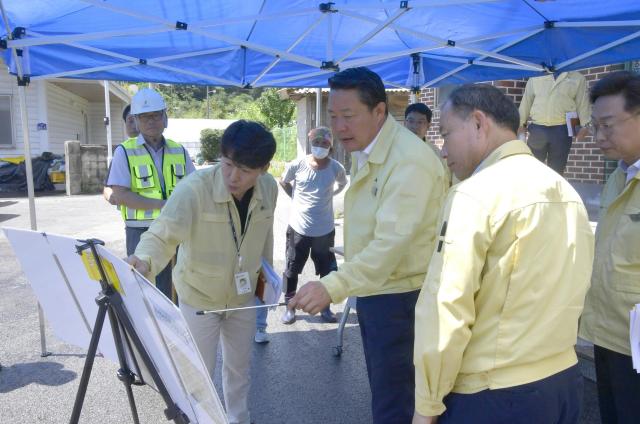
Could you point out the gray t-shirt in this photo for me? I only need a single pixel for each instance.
(312, 205)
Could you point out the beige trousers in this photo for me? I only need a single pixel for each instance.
(235, 331)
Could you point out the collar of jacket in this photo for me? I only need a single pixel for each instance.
(381, 150)
(220, 192)
(385, 140)
(619, 180)
(510, 148)
(140, 141)
(561, 77)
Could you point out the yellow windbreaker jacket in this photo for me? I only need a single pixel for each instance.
(547, 100)
(615, 284)
(196, 217)
(390, 212)
(506, 283)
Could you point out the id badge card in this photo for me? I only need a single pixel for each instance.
(243, 283)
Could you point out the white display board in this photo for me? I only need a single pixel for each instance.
(63, 288)
(67, 295)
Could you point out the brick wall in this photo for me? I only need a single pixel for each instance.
(586, 163)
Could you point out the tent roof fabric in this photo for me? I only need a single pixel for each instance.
(298, 43)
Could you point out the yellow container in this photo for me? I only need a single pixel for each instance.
(57, 177)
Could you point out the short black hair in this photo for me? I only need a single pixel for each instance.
(368, 84)
(126, 112)
(420, 108)
(623, 82)
(488, 99)
(248, 143)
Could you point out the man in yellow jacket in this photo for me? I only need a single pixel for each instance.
(390, 211)
(547, 100)
(497, 318)
(222, 218)
(615, 284)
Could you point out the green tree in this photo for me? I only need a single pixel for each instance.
(277, 112)
(251, 112)
(210, 144)
(190, 101)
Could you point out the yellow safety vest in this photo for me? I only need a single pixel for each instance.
(145, 180)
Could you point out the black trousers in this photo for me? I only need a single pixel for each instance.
(550, 145)
(556, 399)
(618, 387)
(299, 247)
(387, 327)
(163, 279)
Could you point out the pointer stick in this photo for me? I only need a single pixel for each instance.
(240, 309)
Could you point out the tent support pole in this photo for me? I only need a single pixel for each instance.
(24, 118)
(43, 338)
(107, 121)
(275, 61)
(27, 155)
(30, 193)
(329, 38)
(373, 33)
(499, 49)
(599, 49)
(318, 107)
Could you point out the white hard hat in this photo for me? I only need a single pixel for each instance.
(147, 100)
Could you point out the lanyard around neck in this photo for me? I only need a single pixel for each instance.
(234, 232)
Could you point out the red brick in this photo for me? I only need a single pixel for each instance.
(585, 161)
(507, 83)
(597, 70)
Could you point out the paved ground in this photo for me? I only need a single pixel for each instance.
(295, 377)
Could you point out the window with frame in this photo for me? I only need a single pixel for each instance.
(6, 122)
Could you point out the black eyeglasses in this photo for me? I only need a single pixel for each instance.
(607, 127)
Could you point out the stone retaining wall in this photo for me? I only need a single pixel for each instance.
(86, 167)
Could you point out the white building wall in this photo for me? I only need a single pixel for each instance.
(63, 113)
(97, 130)
(8, 86)
(68, 118)
(187, 131)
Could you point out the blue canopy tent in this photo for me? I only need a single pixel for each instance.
(412, 44)
(299, 43)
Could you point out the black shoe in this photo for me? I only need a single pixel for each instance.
(327, 315)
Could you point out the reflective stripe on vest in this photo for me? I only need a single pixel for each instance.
(145, 179)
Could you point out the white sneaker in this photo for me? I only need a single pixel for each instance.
(261, 336)
(288, 317)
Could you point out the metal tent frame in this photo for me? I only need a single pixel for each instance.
(412, 44)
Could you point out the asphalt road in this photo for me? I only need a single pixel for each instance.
(295, 377)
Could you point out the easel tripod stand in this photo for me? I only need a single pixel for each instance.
(110, 303)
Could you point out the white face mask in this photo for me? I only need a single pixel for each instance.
(319, 152)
